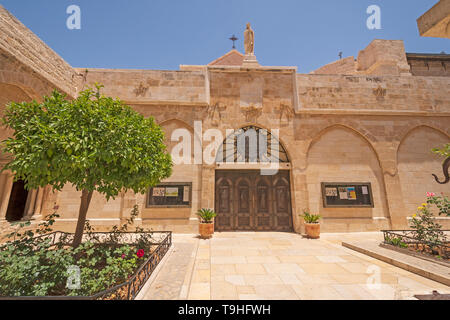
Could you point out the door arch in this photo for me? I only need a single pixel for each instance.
(254, 199)
(17, 202)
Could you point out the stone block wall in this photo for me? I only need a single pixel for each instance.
(367, 93)
(343, 66)
(19, 42)
(433, 67)
(340, 155)
(383, 57)
(436, 21)
(416, 163)
(145, 86)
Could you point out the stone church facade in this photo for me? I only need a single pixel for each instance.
(370, 121)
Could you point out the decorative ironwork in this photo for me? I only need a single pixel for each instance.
(409, 240)
(251, 144)
(445, 167)
(124, 291)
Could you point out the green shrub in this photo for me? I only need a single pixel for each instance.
(441, 202)
(427, 230)
(32, 266)
(310, 218)
(396, 242)
(206, 215)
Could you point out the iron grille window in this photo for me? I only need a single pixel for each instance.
(251, 144)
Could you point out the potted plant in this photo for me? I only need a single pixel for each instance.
(312, 225)
(206, 226)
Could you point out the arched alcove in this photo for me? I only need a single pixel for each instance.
(339, 154)
(416, 164)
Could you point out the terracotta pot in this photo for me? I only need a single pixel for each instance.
(206, 230)
(312, 230)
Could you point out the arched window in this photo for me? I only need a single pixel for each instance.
(251, 145)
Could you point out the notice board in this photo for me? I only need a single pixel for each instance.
(170, 195)
(347, 195)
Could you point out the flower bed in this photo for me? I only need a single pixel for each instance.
(120, 280)
(407, 239)
(106, 266)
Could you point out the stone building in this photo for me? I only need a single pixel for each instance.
(436, 21)
(353, 138)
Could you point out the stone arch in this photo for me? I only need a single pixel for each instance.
(342, 154)
(363, 134)
(34, 88)
(170, 125)
(411, 130)
(185, 172)
(416, 164)
(283, 145)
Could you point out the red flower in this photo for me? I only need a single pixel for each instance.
(123, 256)
(140, 253)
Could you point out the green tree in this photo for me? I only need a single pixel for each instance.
(94, 142)
(444, 151)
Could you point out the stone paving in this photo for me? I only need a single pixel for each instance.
(168, 284)
(265, 266)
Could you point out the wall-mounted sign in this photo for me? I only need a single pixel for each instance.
(170, 195)
(347, 195)
(171, 191)
(159, 192)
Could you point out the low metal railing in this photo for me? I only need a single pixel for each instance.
(127, 290)
(410, 240)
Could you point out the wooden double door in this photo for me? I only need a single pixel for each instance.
(249, 201)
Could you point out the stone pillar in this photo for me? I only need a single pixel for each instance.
(127, 201)
(30, 205)
(392, 186)
(208, 187)
(300, 201)
(38, 206)
(299, 185)
(8, 181)
(395, 202)
(3, 177)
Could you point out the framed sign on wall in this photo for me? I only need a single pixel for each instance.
(347, 195)
(170, 195)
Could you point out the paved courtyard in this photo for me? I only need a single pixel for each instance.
(264, 266)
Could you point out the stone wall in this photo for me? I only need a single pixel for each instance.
(376, 124)
(358, 145)
(429, 65)
(147, 86)
(368, 93)
(383, 57)
(416, 163)
(341, 155)
(19, 42)
(436, 21)
(343, 66)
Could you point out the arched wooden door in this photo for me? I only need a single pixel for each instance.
(249, 201)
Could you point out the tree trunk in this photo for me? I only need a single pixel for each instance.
(86, 197)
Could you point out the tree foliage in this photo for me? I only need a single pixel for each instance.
(94, 142)
(444, 151)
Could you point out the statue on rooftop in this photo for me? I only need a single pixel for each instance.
(249, 40)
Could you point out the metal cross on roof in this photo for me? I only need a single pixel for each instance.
(233, 38)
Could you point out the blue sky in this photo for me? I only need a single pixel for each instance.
(162, 34)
